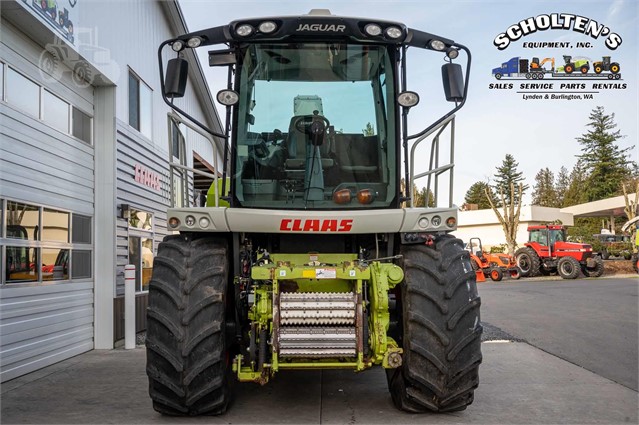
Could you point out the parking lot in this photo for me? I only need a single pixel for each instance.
(536, 380)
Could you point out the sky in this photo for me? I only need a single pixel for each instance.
(539, 133)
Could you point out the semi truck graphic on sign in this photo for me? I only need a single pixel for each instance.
(573, 67)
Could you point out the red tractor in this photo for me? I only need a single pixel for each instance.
(496, 266)
(547, 252)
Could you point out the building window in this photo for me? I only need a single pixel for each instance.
(1, 81)
(82, 126)
(28, 96)
(178, 175)
(23, 93)
(55, 111)
(43, 244)
(141, 250)
(140, 105)
(55, 225)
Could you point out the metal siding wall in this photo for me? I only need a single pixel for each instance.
(133, 149)
(43, 324)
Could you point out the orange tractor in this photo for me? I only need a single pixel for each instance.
(488, 264)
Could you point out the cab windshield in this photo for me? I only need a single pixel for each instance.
(288, 94)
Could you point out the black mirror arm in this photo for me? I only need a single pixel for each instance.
(177, 108)
(457, 107)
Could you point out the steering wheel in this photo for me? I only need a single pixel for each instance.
(303, 122)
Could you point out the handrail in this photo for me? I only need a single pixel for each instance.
(176, 117)
(434, 167)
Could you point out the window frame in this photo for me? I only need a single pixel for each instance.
(41, 116)
(142, 129)
(140, 233)
(38, 244)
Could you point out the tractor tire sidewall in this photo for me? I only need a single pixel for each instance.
(528, 258)
(568, 268)
(441, 329)
(596, 271)
(187, 356)
(496, 275)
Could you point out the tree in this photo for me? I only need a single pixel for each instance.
(631, 209)
(545, 194)
(507, 175)
(509, 220)
(561, 185)
(421, 197)
(575, 192)
(476, 194)
(605, 163)
(369, 130)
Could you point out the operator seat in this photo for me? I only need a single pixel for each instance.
(298, 142)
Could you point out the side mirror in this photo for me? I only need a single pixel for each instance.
(177, 72)
(453, 79)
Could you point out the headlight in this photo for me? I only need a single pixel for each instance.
(373, 29)
(177, 45)
(174, 222)
(267, 27)
(204, 222)
(194, 42)
(408, 99)
(244, 30)
(189, 220)
(437, 45)
(393, 32)
(423, 222)
(437, 221)
(227, 97)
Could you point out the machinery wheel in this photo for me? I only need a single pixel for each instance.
(568, 69)
(605, 254)
(528, 75)
(584, 69)
(498, 76)
(185, 344)
(568, 268)
(598, 69)
(441, 329)
(496, 275)
(527, 261)
(515, 274)
(615, 68)
(596, 271)
(635, 263)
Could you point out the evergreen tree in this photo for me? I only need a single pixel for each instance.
(605, 163)
(561, 185)
(369, 130)
(507, 175)
(477, 195)
(575, 192)
(545, 194)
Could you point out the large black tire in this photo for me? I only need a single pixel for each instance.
(187, 358)
(527, 261)
(441, 329)
(605, 254)
(596, 271)
(568, 268)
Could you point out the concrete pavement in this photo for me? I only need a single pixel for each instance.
(590, 322)
(518, 384)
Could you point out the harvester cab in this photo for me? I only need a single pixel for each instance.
(306, 256)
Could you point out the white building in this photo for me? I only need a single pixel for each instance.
(84, 176)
